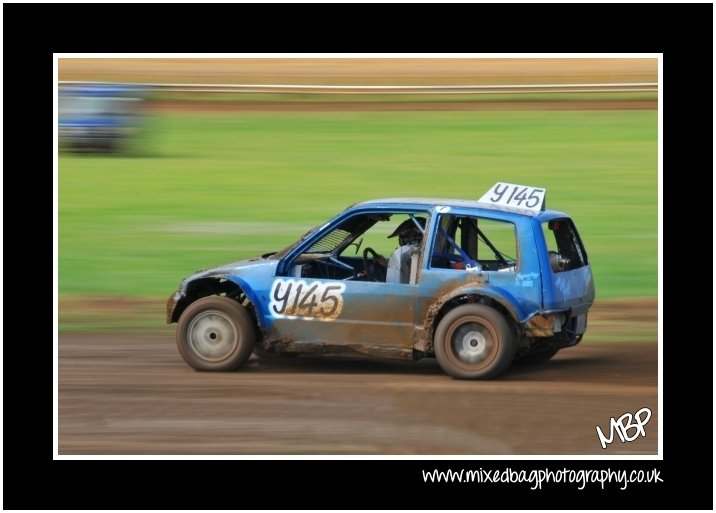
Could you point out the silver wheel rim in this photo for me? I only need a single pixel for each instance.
(212, 336)
(472, 343)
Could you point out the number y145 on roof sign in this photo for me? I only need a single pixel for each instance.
(515, 196)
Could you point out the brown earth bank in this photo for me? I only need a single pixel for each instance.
(288, 106)
(131, 393)
(360, 71)
(338, 71)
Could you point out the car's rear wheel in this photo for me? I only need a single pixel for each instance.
(474, 342)
(215, 334)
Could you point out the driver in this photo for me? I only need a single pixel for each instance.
(409, 236)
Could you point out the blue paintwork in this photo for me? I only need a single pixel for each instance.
(395, 316)
(103, 90)
(96, 114)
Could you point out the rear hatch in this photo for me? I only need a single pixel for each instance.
(567, 283)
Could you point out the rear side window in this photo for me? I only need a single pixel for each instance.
(463, 241)
(566, 251)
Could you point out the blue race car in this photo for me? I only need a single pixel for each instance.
(98, 117)
(476, 284)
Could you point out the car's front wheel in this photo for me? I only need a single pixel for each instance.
(215, 334)
(474, 342)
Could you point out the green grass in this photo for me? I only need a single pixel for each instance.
(205, 189)
(422, 97)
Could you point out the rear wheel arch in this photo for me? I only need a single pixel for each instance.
(467, 297)
(479, 298)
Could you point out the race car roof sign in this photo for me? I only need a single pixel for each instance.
(515, 196)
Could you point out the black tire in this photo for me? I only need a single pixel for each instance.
(474, 342)
(215, 334)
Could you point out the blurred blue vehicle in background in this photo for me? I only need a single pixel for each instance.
(98, 117)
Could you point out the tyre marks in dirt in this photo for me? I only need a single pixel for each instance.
(132, 394)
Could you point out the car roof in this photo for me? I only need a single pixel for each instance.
(429, 203)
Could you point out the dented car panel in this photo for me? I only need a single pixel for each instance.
(323, 295)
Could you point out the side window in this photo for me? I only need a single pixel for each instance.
(466, 241)
(378, 247)
(565, 248)
(497, 242)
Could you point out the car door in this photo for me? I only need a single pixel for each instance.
(312, 309)
(359, 314)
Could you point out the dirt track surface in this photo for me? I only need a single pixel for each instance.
(132, 394)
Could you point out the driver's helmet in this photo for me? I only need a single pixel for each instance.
(408, 232)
